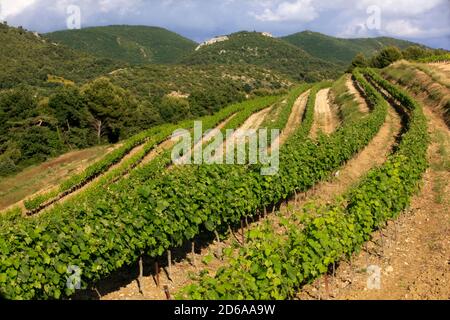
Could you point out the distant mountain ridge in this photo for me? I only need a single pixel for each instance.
(258, 49)
(132, 44)
(304, 56)
(340, 50)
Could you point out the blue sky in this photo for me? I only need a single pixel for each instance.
(425, 21)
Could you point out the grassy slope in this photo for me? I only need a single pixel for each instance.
(255, 49)
(47, 174)
(133, 44)
(341, 51)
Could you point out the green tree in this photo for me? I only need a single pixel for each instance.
(359, 61)
(69, 108)
(110, 107)
(415, 53)
(386, 57)
(72, 115)
(17, 104)
(174, 109)
(38, 143)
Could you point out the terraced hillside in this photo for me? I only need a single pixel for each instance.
(251, 243)
(357, 177)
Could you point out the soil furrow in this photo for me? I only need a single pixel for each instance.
(325, 119)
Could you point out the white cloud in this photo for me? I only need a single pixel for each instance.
(299, 10)
(12, 7)
(405, 28)
(404, 8)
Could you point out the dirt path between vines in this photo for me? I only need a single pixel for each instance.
(412, 253)
(295, 118)
(374, 154)
(325, 119)
(253, 122)
(169, 143)
(351, 86)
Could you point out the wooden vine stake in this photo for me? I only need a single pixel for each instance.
(219, 249)
(169, 263)
(157, 274)
(320, 289)
(242, 232)
(167, 292)
(217, 236)
(98, 293)
(141, 276)
(193, 254)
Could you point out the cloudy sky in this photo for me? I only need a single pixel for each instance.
(425, 21)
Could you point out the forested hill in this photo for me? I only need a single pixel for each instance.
(257, 49)
(28, 58)
(342, 51)
(133, 44)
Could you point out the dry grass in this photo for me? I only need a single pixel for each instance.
(46, 175)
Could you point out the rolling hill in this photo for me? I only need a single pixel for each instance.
(341, 51)
(254, 48)
(27, 58)
(50, 96)
(132, 44)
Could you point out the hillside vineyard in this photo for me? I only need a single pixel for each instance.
(136, 163)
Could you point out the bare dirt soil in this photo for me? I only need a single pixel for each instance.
(363, 106)
(413, 253)
(253, 122)
(205, 139)
(296, 117)
(325, 118)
